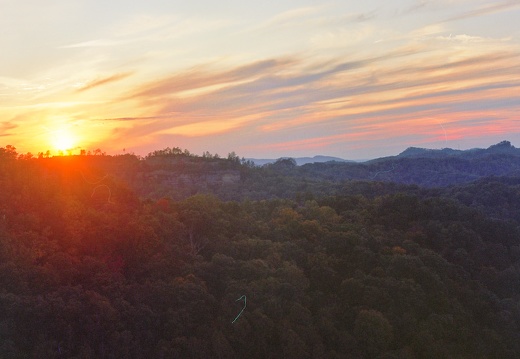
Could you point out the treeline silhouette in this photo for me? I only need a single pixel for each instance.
(101, 258)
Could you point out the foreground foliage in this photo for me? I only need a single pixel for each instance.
(90, 270)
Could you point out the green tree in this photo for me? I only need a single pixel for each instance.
(373, 332)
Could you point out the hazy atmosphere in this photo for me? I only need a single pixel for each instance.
(288, 78)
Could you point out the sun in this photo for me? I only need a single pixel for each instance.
(63, 139)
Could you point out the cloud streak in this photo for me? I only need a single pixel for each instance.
(486, 10)
(104, 81)
(5, 127)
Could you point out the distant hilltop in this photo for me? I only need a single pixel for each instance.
(503, 147)
(300, 160)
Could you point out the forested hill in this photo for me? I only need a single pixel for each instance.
(122, 257)
(424, 167)
(178, 174)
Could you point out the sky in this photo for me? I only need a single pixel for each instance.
(352, 79)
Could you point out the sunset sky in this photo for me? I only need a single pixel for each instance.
(353, 79)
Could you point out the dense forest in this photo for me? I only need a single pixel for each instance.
(181, 256)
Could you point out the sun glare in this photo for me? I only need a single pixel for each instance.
(63, 140)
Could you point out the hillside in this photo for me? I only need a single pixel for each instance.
(235, 179)
(98, 260)
(503, 147)
(424, 167)
(178, 174)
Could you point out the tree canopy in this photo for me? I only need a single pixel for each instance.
(91, 266)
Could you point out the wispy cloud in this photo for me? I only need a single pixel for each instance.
(104, 81)
(293, 15)
(314, 143)
(201, 77)
(151, 29)
(486, 10)
(417, 6)
(95, 43)
(5, 128)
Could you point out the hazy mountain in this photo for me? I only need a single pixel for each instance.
(424, 167)
(503, 147)
(300, 160)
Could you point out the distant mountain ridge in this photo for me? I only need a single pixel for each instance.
(503, 147)
(424, 167)
(180, 175)
(300, 161)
